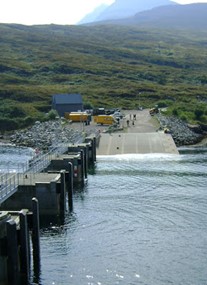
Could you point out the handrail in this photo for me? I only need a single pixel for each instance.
(9, 181)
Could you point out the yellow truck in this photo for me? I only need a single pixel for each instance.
(78, 116)
(104, 120)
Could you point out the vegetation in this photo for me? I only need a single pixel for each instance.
(110, 66)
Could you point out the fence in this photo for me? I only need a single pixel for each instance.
(9, 181)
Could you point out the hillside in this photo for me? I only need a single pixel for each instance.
(191, 16)
(111, 66)
(122, 9)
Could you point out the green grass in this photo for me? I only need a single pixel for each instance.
(110, 66)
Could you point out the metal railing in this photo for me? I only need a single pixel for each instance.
(9, 181)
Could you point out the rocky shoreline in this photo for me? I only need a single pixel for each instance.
(182, 133)
(43, 135)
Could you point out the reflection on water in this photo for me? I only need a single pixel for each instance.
(139, 220)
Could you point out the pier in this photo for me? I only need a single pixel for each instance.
(47, 182)
(17, 229)
(43, 189)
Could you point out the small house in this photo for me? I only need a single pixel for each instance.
(63, 103)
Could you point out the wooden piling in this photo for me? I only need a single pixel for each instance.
(86, 150)
(94, 149)
(12, 253)
(62, 194)
(82, 167)
(70, 187)
(24, 247)
(36, 236)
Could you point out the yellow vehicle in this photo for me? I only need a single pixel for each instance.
(104, 120)
(77, 116)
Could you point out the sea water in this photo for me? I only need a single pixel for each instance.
(140, 219)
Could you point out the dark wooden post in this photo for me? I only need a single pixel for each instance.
(24, 247)
(36, 236)
(62, 193)
(94, 149)
(82, 167)
(12, 252)
(86, 149)
(70, 187)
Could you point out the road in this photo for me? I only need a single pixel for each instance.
(143, 122)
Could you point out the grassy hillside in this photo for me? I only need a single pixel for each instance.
(110, 66)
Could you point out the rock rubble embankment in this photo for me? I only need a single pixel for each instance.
(43, 135)
(182, 133)
(46, 134)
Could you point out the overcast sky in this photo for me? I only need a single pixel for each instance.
(63, 12)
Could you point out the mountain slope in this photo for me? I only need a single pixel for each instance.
(91, 17)
(109, 65)
(188, 17)
(191, 16)
(122, 9)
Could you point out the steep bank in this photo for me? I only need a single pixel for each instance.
(182, 133)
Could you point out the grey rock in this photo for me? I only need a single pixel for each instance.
(180, 130)
(46, 134)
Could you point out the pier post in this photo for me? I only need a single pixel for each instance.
(24, 247)
(36, 236)
(12, 252)
(82, 167)
(94, 149)
(70, 187)
(4, 217)
(86, 151)
(62, 193)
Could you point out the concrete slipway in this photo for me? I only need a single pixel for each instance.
(140, 143)
(140, 136)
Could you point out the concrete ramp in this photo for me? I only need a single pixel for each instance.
(126, 143)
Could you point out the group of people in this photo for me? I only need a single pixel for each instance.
(131, 118)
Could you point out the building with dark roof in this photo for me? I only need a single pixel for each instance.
(63, 103)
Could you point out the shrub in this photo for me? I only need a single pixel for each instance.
(198, 113)
(87, 106)
(52, 115)
(7, 124)
(164, 103)
(175, 112)
(184, 118)
(28, 121)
